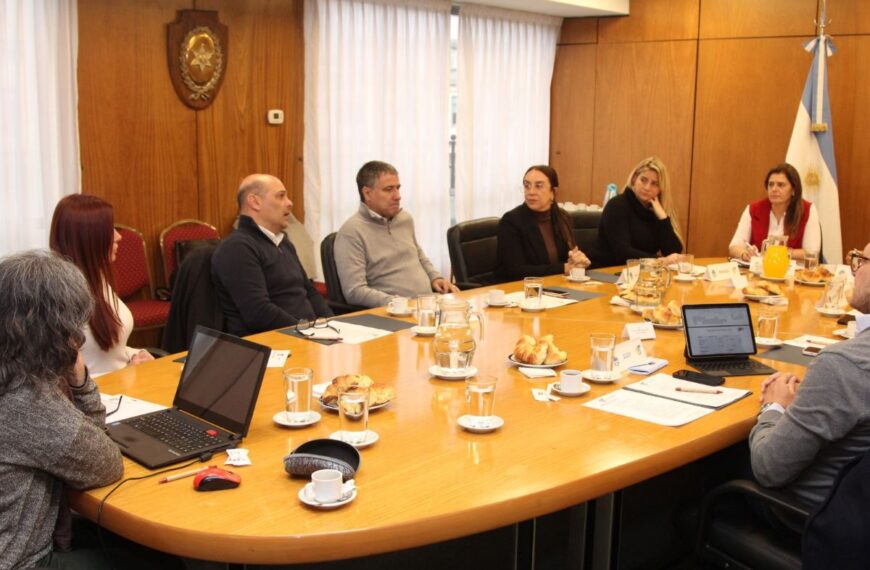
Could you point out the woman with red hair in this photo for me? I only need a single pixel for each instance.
(83, 230)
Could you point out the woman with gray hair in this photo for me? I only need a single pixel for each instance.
(52, 430)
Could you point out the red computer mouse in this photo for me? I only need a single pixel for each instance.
(216, 479)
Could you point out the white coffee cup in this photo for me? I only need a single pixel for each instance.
(495, 297)
(570, 381)
(327, 485)
(398, 305)
(578, 273)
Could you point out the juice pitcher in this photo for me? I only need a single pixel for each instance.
(652, 282)
(775, 258)
(454, 342)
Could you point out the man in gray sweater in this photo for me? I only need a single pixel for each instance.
(808, 430)
(376, 251)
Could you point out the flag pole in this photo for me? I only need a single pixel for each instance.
(819, 125)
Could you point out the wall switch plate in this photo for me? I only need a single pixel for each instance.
(275, 116)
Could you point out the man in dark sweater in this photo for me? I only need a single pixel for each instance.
(259, 279)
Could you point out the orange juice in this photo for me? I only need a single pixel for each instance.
(776, 261)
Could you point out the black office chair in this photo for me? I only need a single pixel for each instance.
(731, 534)
(335, 295)
(194, 300)
(473, 246)
(585, 226)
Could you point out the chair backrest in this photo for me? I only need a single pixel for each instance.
(473, 247)
(182, 230)
(194, 301)
(132, 273)
(330, 271)
(585, 225)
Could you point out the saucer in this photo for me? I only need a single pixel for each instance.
(830, 312)
(480, 426)
(664, 326)
(423, 331)
(407, 313)
(306, 495)
(843, 333)
(556, 387)
(810, 283)
(281, 419)
(600, 378)
(551, 365)
(371, 437)
(764, 341)
(583, 279)
(439, 372)
(537, 309)
(762, 297)
(684, 278)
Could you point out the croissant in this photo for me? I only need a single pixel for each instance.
(773, 288)
(755, 290)
(540, 351)
(344, 383)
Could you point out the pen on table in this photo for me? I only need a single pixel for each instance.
(178, 476)
(698, 390)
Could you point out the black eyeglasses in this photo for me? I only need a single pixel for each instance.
(308, 328)
(117, 406)
(857, 259)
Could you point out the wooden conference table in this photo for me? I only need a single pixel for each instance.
(426, 480)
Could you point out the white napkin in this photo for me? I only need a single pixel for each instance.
(317, 390)
(617, 300)
(774, 301)
(238, 457)
(537, 372)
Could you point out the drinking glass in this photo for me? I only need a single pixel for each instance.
(768, 323)
(426, 311)
(297, 394)
(686, 265)
(602, 354)
(833, 297)
(480, 395)
(811, 260)
(353, 415)
(534, 288)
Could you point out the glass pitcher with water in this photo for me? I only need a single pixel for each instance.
(454, 342)
(652, 282)
(775, 259)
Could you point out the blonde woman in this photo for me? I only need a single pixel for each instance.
(640, 222)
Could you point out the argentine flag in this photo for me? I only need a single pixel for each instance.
(811, 149)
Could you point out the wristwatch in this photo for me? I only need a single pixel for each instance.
(770, 405)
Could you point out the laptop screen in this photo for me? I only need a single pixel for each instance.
(718, 330)
(221, 379)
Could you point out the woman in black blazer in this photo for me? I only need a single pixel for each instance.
(536, 238)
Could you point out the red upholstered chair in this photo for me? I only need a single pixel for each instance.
(181, 231)
(132, 276)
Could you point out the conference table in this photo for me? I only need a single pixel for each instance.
(427, 480)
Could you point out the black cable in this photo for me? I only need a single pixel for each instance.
(202, 458)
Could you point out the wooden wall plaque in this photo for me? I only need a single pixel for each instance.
(197, 49)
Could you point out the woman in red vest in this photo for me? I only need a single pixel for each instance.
(783, 212)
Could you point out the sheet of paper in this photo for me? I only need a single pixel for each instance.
(651, 409)
(356, 334)
(806, 340)
(665, 386)
(547, 301)
(129, 408)
(278, 358)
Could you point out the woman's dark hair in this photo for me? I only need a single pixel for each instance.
(82, 230)
(44, 305)
(795, 210)
(561, 220)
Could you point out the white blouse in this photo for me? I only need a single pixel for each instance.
(812, 232)
(101, 361)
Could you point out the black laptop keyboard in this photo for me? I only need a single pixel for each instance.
(174, 432)
(730, 365)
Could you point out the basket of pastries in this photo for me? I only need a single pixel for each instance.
(379, 396)
(541, 351)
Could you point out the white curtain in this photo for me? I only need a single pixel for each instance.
(503, 113)
(39, 152)
(376, 88)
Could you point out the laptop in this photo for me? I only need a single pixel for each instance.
(212, 408)
(720, 339)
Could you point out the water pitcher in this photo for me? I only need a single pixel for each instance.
(454, 342)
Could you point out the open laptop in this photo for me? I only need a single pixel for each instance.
(719, 340)
(212, 408)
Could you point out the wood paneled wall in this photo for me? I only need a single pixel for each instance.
(155, 159)
(711, 86)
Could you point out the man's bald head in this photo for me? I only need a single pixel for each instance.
(264, 198)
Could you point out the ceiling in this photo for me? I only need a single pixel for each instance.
(563, 8)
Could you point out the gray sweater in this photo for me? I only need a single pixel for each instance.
(378, 259)
(827, 424)
(47, 441)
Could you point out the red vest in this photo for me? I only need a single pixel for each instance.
(759, 213)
